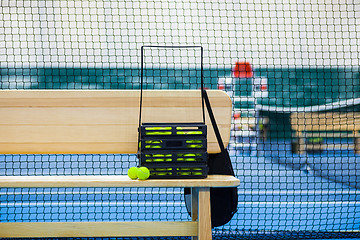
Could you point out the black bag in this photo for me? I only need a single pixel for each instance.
(223, 201)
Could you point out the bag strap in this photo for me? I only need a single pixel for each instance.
(213, 121)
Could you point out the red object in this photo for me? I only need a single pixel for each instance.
(243, 70)
(236, 115)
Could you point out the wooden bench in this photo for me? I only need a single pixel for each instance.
(325, 125)
(104, 122)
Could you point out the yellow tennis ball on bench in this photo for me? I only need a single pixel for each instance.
(132, 173)
(143, 173)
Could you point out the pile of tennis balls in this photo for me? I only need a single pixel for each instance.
(141, 173)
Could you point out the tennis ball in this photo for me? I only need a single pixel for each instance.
(132, 173)
(143, 173)
(162, 174)
(194, 132)
(194, 146)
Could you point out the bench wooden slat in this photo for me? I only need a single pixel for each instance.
(98, 121)
(330, 134)
(333, 121)
(330, 127)
(314, 124)
(329, 146)
(97, 229)
(106, 98)
(113, 181)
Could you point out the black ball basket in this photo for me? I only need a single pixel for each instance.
(173, 150)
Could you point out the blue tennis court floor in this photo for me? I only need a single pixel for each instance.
(279, 192)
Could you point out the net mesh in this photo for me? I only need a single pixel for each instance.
(291, 58)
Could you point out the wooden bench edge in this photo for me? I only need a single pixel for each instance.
(113, 181)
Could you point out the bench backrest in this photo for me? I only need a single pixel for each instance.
(329, 121)
(98, 121)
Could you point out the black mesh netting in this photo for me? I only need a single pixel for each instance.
(290, 67)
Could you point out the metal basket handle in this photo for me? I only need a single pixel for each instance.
(142, 75)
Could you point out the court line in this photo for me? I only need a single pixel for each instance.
(240, 191)
(94, 204)
(298, 192)
(162, 203)
(303, 203)
(87, 192)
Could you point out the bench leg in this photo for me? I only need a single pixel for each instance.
(194, 207)
(201, 212)
(300, 147)
(356, 142)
